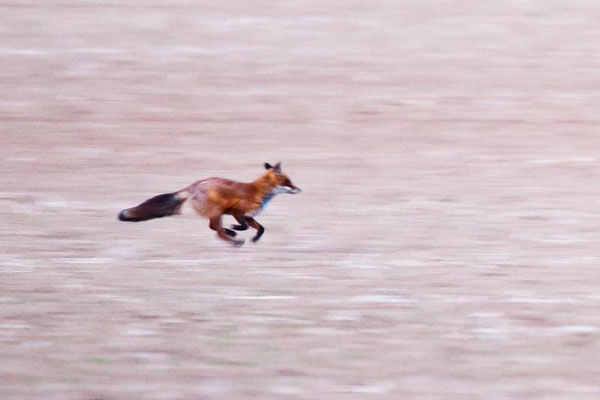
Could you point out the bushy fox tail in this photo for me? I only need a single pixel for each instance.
(159, 206)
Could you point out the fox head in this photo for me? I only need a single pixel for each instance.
(280, 181)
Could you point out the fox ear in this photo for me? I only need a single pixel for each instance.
(277, 167)
(268, 166)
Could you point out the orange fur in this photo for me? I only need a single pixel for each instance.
(214, 197)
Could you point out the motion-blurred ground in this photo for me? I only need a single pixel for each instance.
(444, 245)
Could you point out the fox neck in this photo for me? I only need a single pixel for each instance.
(264, 191)
(264, 187)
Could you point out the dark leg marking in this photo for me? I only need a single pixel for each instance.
(243, 225)
(230, 232)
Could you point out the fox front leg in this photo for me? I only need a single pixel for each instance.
(259, 228)
(243, 225)
(244, 222)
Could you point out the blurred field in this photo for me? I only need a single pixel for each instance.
(444, 245)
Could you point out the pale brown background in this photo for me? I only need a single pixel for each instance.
(444, 245)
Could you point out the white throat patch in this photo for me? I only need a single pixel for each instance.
(265, 200)
(269, 196)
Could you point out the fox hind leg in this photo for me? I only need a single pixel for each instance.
(216, 224)
(229, 232)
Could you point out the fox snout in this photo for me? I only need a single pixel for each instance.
(286, 189)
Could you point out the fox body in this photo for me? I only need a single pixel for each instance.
(214, 197)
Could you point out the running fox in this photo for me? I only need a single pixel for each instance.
(214, 197)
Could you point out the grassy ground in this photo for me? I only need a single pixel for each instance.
(443, 246)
